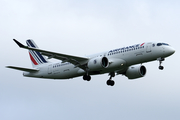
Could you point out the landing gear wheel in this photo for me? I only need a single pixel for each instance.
(161, 67)
(110, 82)
(87, 77)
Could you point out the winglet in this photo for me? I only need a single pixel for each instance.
(19, 44)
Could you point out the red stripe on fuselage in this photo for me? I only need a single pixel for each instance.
(142, 44)
(33, 60)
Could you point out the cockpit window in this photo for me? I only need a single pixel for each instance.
(165, 44)
(159, 44)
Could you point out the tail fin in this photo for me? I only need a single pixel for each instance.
(36, 57)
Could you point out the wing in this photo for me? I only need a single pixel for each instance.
(23, 69)
(77, 61)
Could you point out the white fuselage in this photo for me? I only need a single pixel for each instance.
(119, 60)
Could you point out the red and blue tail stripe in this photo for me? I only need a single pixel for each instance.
(32, 59)
(35, 56)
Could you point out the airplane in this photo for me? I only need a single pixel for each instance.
(126, 61)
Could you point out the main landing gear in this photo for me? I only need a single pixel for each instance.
(160, 62)
(87, 77)
(111, 82)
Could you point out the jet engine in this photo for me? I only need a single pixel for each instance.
(136, 71)
(98, 63)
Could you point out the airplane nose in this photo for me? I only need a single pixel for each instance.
(170, 51)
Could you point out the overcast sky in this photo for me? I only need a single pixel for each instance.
(82, 28)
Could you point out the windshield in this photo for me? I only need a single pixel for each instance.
(159, 44)
(165, 44)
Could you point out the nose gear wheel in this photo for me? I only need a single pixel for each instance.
(160, 62)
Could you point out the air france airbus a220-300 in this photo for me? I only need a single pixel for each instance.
(126, 61)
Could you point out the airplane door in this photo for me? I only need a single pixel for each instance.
(50, 69)
(148, 48)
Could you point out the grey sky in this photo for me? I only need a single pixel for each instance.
(82, 28)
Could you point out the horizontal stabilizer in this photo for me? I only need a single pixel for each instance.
(23, 69)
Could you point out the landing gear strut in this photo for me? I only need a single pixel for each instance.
(87, 77)
(160, 62)
(111, 82)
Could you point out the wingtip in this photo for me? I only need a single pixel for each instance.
(18, 43)
(8, 66)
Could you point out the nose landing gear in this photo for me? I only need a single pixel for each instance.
(160, 62)
(161, 67)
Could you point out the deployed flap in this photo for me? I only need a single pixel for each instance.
(77, 61)
(23, 69)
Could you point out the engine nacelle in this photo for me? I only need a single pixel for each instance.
(98, 63)
(136, 71)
